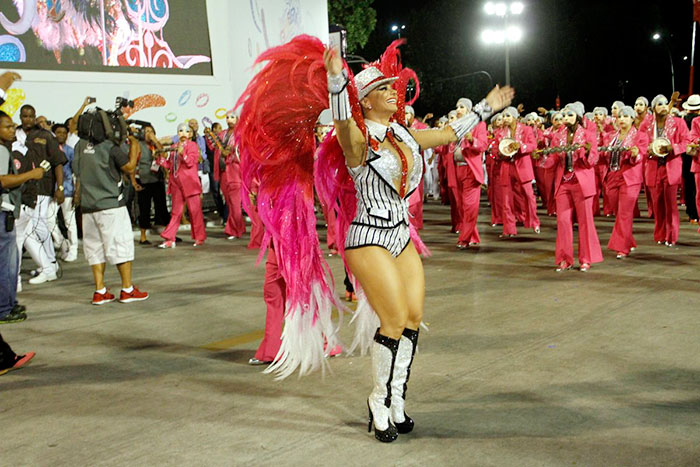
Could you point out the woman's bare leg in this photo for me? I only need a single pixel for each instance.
(410, 269)
(380, 278)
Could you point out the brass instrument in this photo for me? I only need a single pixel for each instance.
(659, 145)
(504, 147)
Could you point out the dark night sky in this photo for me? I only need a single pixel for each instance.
(594, 51)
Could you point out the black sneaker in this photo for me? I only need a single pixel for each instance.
(19, 308)
(13, 317)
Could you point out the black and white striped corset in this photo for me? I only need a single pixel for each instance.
(378, 202)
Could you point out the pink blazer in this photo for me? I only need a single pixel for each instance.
(472, 151)
(677, 132)
(186, 175)
(583, 163)
(630, 166)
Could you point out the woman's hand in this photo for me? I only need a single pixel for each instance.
(500, 97)
(332, 62)
(634, 151)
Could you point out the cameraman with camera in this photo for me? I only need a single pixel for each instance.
(107, 236)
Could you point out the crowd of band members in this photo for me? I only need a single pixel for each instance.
(612, 161)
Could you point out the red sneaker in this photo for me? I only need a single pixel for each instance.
(20, 361)
(134, 296)
(102, 298)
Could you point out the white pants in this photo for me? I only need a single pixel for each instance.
(430, 179)
(71, 243)
(33, 233)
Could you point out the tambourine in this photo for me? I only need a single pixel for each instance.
(504, 147)
(658, 147)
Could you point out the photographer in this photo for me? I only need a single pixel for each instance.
(107, 234)
(10, 311)
(150, 186)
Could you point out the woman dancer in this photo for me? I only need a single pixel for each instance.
(574, 191)
(624, 180)
(385, 165)
(371, 165)
(184, 187)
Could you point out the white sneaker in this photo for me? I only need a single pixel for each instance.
(69, 258)
(43, 277)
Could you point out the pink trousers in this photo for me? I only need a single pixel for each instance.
(569, 199)
(624, 199)
(511, 187)
(235, 225)
(470, 194)
(274, 292)
(455, 207)
(194, 208)
(666, 217)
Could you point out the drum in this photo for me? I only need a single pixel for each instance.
(657, 147)
(504, 147)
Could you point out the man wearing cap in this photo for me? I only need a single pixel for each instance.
(692, 105)
(470, 174)
(516, 173)
(669, 137)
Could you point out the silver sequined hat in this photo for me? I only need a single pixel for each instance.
(369, 79)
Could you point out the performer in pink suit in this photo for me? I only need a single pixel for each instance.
(470, 173)
(557, 120)
(692, 149)
(574, 190)
(533, 121)
(641, 109)
(624, 180)
(493, 170)
(453, 192)
(603, 126)
(663, 174)
(516, 173)
(228, 172)
(184, 187)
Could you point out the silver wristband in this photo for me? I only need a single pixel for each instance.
(337, 83)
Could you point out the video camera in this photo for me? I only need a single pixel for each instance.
(97, 125)
(137, 128)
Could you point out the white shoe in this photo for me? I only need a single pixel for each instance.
(231, 237)
(167, 244)
(43, 277)
(69, 258)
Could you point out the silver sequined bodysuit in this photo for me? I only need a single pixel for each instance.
(382, 215)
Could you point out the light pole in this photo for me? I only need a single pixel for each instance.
(397, 29)
(510, 34)
(658, 37)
